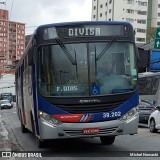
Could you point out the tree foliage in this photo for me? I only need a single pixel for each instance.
(151, 34)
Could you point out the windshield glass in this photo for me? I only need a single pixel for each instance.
(87, 69)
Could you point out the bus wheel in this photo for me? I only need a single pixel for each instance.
(41, 143)
(107, 140)
(152, 127)
(23, 129)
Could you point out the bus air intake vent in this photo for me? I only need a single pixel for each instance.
(90, 108)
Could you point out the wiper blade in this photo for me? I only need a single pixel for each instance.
(106, 48)
(65, 50)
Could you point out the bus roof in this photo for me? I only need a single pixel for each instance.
(84, 22)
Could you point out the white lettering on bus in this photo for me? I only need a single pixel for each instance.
(84, 31)
(67, 88)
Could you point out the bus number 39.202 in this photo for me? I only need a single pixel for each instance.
(111, 114)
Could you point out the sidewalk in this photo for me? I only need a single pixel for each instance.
(5, 143)
(8, 141)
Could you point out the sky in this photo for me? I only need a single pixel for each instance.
(37, 12)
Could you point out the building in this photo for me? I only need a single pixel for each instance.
(7, 83)
(12, 41)
(142, 14)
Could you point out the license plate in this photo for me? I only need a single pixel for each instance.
(91, 130)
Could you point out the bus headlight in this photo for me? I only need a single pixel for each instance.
(131, 113)
(49, 118)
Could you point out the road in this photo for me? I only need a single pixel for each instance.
(90, 148)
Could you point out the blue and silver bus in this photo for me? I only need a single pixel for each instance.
(62, 88)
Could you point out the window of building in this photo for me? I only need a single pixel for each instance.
(105, 13)
(158, 23)
(158, 5)
(142, 12)
(109, 19)
(158, 14)
(130, 1)
(142, 3)
(130, 20)
(110, 11)
(140, 39)
(94, 7)
(110, 1)
(141, 30)
(141, 21)
(101, 6)
(130, 11)
(94, 16)
(100, 14)
(106, 4)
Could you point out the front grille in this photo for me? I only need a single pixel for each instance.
(102, 131)
(90, 108)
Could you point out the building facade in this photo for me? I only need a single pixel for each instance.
(12, 41)
(142, 14)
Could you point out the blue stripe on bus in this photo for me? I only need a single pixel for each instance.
(35, 99)
(123, 108)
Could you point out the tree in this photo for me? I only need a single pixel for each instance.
(151, 34)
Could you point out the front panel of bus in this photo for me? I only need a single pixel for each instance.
(86, 74)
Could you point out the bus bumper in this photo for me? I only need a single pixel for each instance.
(76, 130)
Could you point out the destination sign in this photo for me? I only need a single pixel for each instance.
(84, 31)
(68, 88)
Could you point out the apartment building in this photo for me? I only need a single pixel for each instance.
(12, 41)
(142, 14)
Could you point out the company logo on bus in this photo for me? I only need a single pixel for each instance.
(90, 101)
(73, 32)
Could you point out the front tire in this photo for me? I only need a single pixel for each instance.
(107, 140)
(152, 126)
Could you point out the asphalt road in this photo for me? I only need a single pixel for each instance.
(91, 148)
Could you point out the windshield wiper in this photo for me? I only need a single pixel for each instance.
(68, 54)
(65, 50)
(106, 48)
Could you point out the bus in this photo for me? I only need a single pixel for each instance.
(149, 87)
(58, 88)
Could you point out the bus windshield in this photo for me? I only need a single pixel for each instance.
(87, 69)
